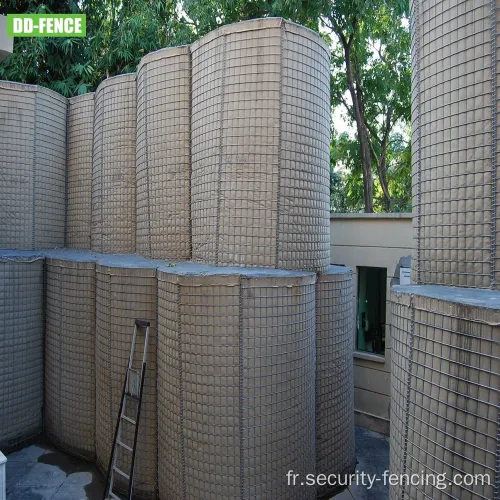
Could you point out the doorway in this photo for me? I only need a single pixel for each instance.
(372, 285)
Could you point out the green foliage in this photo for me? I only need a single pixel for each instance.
(120, 33)
(346, 184)
(381, 66)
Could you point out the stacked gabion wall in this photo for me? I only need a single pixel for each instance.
(445, 389)
(80, 146)
(69, 353)
(163, 154)
(260, 147)
(236, 376)
(21, 352)
(445, 340)
(113, 166)
(334, 374)
(217, 151)
(454, 143)
(125, 291)
(33, 166)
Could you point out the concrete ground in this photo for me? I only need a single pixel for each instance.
(41, 472)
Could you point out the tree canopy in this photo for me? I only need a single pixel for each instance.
(370, 71)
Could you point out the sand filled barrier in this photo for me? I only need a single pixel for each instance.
(261, 147)
(21, 355)
(70, 417)
(113, 166)
(80, 148)
(445, 388)
(33, 159)
(454, 162)
(163, 154)
(335, 451)
(125, 291)
(236, 375)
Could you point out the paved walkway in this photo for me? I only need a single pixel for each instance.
(372, 453)
(41, 472)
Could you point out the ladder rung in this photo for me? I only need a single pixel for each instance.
(123, 445)
(116, 469)
(113, 496)
(128, 419)
(131, 396)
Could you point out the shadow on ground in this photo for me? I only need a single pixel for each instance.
(41, 472)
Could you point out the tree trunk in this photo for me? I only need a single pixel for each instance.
(363, 138)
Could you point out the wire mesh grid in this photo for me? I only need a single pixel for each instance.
(80, 144)
(113, 166)
(124, 294)
(33, 158)
(236, 359)
(260, 146)
(335, 451)
(304, 190)
(70, 417)
(163, 154)
(445, 406)
(454, 157)
(21, 356)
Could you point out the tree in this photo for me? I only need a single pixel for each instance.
(58, 63)
(371, 78)
(119, 34)
(370, 68)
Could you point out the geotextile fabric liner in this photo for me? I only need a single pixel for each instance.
(113, 166)
(124, 294)
(163, 154)
(80, 144)
(445, 389)
(69, 356)
(335, 451)
(33, 159)
(21, 353)
(261, 146)
(236, 359)
(454, 142)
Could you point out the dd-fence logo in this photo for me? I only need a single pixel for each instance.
(47, 25)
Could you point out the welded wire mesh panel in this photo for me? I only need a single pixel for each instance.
(163, 154)
(454, 162)
(260, 148)
(236, 357)
(335, 451)
(80, 143)
(124, 294)
(446, 385)
(304, 186)
(21, 353)
(401, 342)
(113, 166)
(33, 159)
(69, 356)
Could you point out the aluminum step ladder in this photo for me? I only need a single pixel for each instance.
(132, 394)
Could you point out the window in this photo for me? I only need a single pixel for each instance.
(372, 284)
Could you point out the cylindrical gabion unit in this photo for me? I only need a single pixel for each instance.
(163, 154)
(21, 352)
(33, 165)
(454, 144)
(113, 166)
(445, 392)
(236, 368)
(80, 144)
(69, 353)
(335, 451)
(261, 147)
(125, 291)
